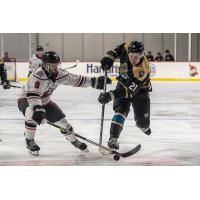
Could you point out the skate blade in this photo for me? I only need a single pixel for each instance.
(34, 153)
(86, 150)
(103, 151)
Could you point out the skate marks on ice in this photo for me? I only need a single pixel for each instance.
(156, 149)
(175, 124)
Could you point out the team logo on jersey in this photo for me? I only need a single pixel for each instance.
(40, 73)
(123, 70)
(141, 73)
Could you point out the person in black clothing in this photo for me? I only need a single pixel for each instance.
(159, 57)
(168, 56)
(3, 74)
(132, 88)
(149, 56)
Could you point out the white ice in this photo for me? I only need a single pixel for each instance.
(175, 124)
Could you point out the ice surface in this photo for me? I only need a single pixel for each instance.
(175, 124)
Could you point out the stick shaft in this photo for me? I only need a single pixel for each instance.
(102, 111)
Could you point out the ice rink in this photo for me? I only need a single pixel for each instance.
(175, 124)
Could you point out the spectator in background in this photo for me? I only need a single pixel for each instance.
(6, 57)
(149, 56)
(159, 57)
(36, 59)
(168, 56)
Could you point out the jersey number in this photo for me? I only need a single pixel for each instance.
(132, 87)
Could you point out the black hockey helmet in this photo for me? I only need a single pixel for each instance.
(50, 57)
(136, 47)
(39, 48)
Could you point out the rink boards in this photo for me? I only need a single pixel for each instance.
(160, 71)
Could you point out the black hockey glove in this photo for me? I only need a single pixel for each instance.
(106, 63)
(6, 84)
(105, 97)
(38, 114)
(98, 82)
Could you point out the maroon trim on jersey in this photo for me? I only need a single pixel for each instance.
(33, 92)
(32, 129)
(83, 81)
(21, 100)
(80, 82)
(77, 82)
(30, 121)
(28, 98)
(46, 94)
(30, 94)
(30, 125)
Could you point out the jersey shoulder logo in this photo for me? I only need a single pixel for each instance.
(141, 73)
(39, 73)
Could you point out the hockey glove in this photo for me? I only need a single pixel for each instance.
(105, 97)
(6, 84)
(98, 82)
(106, 63)
(38, 114)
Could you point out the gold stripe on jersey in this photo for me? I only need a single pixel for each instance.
(141, 71)
(110, 56)
(126, 46)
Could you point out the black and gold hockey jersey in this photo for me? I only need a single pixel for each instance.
(139, 74)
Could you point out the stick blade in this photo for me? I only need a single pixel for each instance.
(131, 152)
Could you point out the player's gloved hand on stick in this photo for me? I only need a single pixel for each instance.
(106, 63)
(105, 97)
(38, 114)
(98, 82)
(6, 84)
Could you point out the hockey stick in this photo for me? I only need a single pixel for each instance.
(117, 155)
(14, 86)
(102, 116)
(77, 62)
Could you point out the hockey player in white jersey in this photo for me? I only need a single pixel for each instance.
(36, 59)
(36, 105)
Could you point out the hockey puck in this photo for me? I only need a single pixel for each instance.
(116, 157)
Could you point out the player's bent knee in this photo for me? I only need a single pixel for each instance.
(68, 130)
(123, 111)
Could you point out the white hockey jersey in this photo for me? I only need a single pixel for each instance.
(34, 63)
(39, 88)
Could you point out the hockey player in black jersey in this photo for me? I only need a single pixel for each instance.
(35, 100)
(3, 74)
(132, 88)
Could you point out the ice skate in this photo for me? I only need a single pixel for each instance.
(32, 147)
(113, 143)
